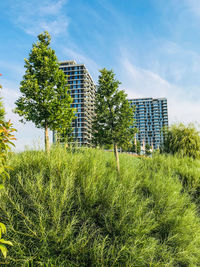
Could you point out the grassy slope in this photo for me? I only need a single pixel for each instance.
(72, 209)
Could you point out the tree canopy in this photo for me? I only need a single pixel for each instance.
(45, 99)
(182, 139)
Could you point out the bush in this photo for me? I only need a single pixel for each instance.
(73, 209)
(182, 140)
(6, 135)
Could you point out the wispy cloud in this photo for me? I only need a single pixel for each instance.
(175, 63)
(79, 57)
(139, 82)
(36, 16)
(27, 135)
(12, 67)
(164, 62)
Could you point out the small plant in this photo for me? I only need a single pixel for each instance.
(6, 137)
(3, 241)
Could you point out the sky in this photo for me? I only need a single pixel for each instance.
(151, 45)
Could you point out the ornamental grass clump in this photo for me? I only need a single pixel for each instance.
(74, 209)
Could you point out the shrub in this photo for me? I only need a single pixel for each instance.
(6, 135)
(73, 209)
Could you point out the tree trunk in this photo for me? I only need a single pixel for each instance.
(116, 156)
(46, 138)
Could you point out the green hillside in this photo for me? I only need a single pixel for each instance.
(73, 209)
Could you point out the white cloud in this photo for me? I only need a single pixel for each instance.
(175, 63)
(52, 8)
(36, 16)
(139, 82)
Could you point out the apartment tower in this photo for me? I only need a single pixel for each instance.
(151, 117)
(82, 90)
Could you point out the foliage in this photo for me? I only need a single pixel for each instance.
(45, 99)
(182, 139)
(114, 116)
(3, 242)
(147, 150)
(135, 147)
(6, 138)
(71, 209)
(2, 110)
(6, 135)
(186, 169)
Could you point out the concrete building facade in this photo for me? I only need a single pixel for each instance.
(151, 117)
(82, 91)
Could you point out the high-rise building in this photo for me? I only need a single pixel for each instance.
(82, 90)
(151, 117)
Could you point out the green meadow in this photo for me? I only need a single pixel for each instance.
(72, 208)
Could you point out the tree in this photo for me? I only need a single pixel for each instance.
(183, 140)
(45, 99)
(114, 116)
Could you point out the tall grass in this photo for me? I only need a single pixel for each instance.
(186, 169)
(74, 209)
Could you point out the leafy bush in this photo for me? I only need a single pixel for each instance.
(73, 209)
(6, 135)
(184, 140)
(6, 138)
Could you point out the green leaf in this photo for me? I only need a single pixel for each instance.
(1, 186)
(6, 242)
(3, 250)
(3, 228)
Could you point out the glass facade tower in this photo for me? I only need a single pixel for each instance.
(151, 117)
(82, 91)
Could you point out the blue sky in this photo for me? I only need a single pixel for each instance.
(151, 45)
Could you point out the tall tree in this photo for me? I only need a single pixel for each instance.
(114, 116)
(45, 99)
